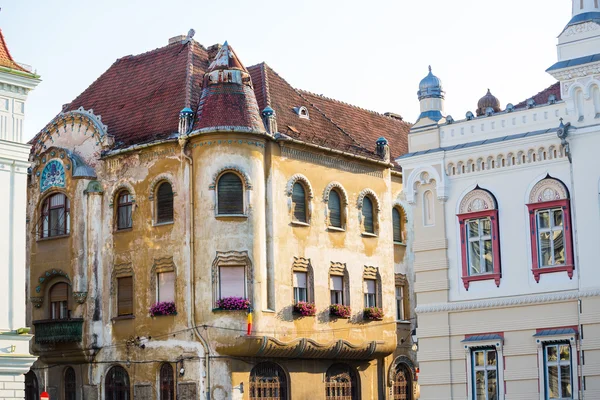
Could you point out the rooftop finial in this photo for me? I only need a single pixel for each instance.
(430, 68)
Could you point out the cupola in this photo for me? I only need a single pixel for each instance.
(488, 101)
(431, 96)
(228, 102)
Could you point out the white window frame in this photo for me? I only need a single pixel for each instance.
(370, 298)
(400, 303)
(548, 340)
(298, 289)
(481, 239)
(551, 229)
(498, 345)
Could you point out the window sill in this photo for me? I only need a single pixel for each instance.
(400, 244)
(402, 322)
(222, 216)
(484, 277)
(369, 235)
(218, 310)
(163, 223)
(53, 237)
(335, 229)
(299, 223)
(537, 272)
(123, 317)
(123, 230)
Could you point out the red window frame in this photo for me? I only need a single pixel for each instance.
(496, 275)
(569, 266)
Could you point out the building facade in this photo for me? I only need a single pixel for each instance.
(204, 230)
(15, 360)
(506, 223)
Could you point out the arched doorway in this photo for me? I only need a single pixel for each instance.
(70, 384)
(32, 391)
(402, 384)
(268, 381)
(167, 382)
(116, 384)
(341, 383)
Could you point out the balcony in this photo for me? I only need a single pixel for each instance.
(52, 331)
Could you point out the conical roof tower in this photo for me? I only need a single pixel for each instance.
(227, 102)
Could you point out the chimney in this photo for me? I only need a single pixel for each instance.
(212, 52)
(177, 39)
(394, 115)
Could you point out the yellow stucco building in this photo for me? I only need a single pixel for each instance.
(191, 224)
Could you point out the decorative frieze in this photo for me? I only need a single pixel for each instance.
(330, 162)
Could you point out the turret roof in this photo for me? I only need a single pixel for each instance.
(6, 59)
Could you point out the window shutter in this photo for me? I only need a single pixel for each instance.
(299, 202)
(164, 203)
(166, 286)
(233, 281)
(300, 280)
(369, 286)
(397, 221)
(59, 292)
(367, 212)
(231, 194)
(125, 296)
(336, 283)
(335, 209)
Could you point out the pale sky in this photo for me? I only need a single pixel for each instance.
(368, 53)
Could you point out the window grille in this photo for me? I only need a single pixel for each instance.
(117, 384)
(167, 385)
(55, 216)
(268, 382)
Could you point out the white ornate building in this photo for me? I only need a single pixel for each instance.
(507, 227)
(15, 83)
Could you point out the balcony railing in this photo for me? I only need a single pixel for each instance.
(58, 330)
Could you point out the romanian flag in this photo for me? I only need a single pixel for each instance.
(249, 320)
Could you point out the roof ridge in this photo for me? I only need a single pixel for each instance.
(157, 49)
(352, 105)
(266, 88)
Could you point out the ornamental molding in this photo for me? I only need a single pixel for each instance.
(299, 178)
(508, 302)
(120, 186)
(234, 259)
(425, 175)
(80, 297)
(337, 268)
(477, 200)
(301, 264)
(370, 272)
(158, 180)
(576, 72)
(400, 279)
(368, 192)
(406, 362)
(120, 271)
(237, 170)
(581, 28)
(48, 276)
(340, 189)
(548, 189)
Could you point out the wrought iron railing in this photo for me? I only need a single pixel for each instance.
(58, 330)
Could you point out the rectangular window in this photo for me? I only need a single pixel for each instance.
(479, 253)
(550, 237)
(125, 296)
(300, 287)
(166, 286)
(400, 303)
(557, 371)
(232, 281)
(484, 364)
(370, 293)
(336, 286)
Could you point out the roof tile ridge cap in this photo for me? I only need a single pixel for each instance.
(10, 58)
(189, 73)
(266, 88)
(155, 50)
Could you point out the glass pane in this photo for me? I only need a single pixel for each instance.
(480, 385)
(558, 218)
(544, 219)
(553, 382)
(565, 381)
(474, 259)
(486, 227)
(479, 360)
(166, 286)
(545, 250)
(491, 358)
(473, 229)
(233, 282)
(488, 256)
(492, 385)
(551, 353)
(367, 212)
(565, 353)
(559, 247)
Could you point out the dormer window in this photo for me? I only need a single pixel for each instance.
(302, 112)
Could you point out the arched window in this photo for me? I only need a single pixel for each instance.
(341, 383)
(167, 385)
(368, 215)
(402, 387)
(596, 97)
(299, 203)
(398, 223)
(334, 206)
(124, 210)
(230, 193)
(164, 203)
(32, 391)
(428, 211)
(580, 104)
(55, 218)
(116, 384)
(70, 385)
(268, 381)
(59, 301)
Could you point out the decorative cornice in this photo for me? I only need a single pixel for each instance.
(576, 72)
(581, 28)
(337, 268)
(158, 180)
(370, 272)
(301, 264)
(340, 188)
(507, 302)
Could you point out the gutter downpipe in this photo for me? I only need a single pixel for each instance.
(191, 314)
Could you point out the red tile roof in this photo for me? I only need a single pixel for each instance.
(542, 97)
(139, 99)
(6, 59)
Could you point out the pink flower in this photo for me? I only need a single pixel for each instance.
(233, 303)
(163, 308)
(373, 313)
(305, 309)
(340, 310)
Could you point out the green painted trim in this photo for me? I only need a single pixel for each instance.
(23, 331)
(21, 73)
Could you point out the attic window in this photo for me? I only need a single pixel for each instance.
(302, 112)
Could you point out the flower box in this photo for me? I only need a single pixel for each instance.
(233, 303)
(305, 309)
(163, 308)
(373, 313)
(340, 310)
